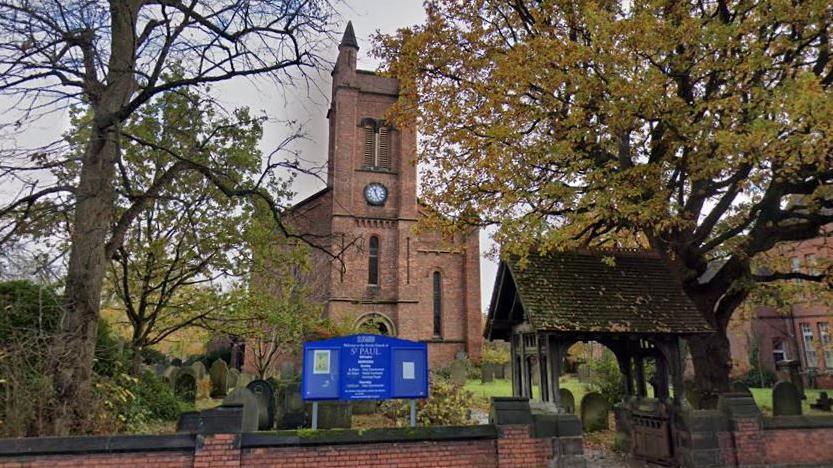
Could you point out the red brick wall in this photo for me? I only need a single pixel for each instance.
(798, 446)
(514, 448)
(479, 453)
(517, 449)
(114, 460)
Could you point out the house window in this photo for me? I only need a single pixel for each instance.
(795, 267)
(824, 336)
(376, 145)
(438, 304)
(809, 346)
(373, 262)
(779, 351)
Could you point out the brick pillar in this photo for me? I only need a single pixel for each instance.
(217, 450)
(749, 444)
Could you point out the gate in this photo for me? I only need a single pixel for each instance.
(651, 435)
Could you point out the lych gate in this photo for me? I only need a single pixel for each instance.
(626, 300)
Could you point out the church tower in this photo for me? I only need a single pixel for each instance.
(403, 283)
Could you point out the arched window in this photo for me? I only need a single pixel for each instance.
(373, 262)
(376, 144)
(438, 304)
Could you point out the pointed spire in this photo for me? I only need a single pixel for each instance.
(349, 38)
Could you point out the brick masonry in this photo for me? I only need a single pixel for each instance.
(510, 446)
(340, 217)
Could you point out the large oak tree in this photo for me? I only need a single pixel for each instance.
(702, 129)
(114, 57)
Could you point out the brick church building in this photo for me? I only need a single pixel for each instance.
(409, 284)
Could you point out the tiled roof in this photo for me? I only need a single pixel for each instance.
(580, 291)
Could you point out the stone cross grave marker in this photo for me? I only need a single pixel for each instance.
(594, 412)
(786, 399)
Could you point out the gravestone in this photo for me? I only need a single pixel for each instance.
(594, 412)
(790, 370)
(497, 371)
(823, 403)
(487, 374)
(199, 369)
(219, 378)
(740, 387)
(252, 407)
(786, 399)
(583, 371)
(265, 393)
(458, 372)
(186, 385)
(567, 401)
(507, 371)
(293, 406)
(233, 378)
(170, 375)
(288, 371)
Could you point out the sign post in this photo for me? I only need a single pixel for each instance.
(364, 367)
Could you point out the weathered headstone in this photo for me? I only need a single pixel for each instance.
(458, 372)
(567, 401)
(265, 393)
(487, 374)
(497, 370)
(288, 371)
(790, 370)
(186, 385)
(219, 378)
(786, 399)
(594, 412)
(233, 378)
(170, 375)
(199, 369)
(740, 387)
(293, 406)
(252, 407)
(823, 403)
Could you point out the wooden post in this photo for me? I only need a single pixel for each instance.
(542, 341)
(556, 356)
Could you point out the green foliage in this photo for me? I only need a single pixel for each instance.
(28, 309)
(757, 376)
(446, 405)
(495, 353)
(606, 378)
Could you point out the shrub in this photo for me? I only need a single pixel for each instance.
(606, 379)
(495, 353)
(447, 405)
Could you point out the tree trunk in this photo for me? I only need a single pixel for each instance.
(93, 215)
(712, 364)
(74, 349)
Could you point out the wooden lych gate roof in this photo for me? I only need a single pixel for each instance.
(610, 291)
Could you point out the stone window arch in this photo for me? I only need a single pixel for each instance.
(377, 323)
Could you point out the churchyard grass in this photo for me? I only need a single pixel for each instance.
(503, 387)
(763, 398)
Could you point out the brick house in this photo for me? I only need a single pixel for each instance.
(414, 285)
(801, 330)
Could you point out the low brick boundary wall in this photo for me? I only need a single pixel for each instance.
(513, 445)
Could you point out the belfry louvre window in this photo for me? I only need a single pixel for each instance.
(373, 262)
(376, 146)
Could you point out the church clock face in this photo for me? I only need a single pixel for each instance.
(376, 194)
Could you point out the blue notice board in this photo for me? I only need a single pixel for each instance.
(364, 367)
